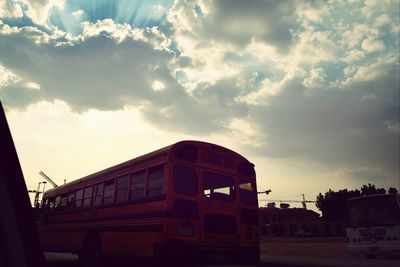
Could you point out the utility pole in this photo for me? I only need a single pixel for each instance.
(304, 202)
(44, 186)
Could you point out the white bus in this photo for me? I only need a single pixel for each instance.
(373, 224)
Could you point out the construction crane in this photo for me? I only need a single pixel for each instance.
(303, 202)
(37, 194)
(48, 179)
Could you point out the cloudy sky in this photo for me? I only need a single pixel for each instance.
(307, 90)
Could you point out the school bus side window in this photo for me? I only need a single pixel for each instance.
(185, 180)
(51, 204)
(248, 193)
(71, 200)
(137, 185)
(218, 186)
(122, 188)
(108, 195)
(155, 181)
(97, 194)
(58, 203)
(63, 202)
(78, 198)
(87, 197)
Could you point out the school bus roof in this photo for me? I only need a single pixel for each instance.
(162, 151)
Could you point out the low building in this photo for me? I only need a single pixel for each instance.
(291, 222)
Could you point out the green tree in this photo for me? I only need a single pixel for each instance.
(392, 190)
(332, 204)
(371, 190)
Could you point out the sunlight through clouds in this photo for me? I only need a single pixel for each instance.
(157, 86)
(305, 88)
(7, 77)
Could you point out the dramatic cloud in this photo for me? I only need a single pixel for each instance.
(313, 82)
(342, 126)
(118, 64)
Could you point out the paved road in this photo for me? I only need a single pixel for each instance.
(305, 261)
(267, 260)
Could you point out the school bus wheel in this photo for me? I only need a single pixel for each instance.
(90, 255)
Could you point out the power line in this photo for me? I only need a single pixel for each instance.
(303, 202)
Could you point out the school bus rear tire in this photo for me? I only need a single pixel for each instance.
(91, 253)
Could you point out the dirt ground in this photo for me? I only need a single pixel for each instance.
(316, 247)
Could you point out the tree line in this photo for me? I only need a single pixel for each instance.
(332, 204)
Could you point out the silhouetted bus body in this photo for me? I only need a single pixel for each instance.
(373, 224)
(190, 199)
